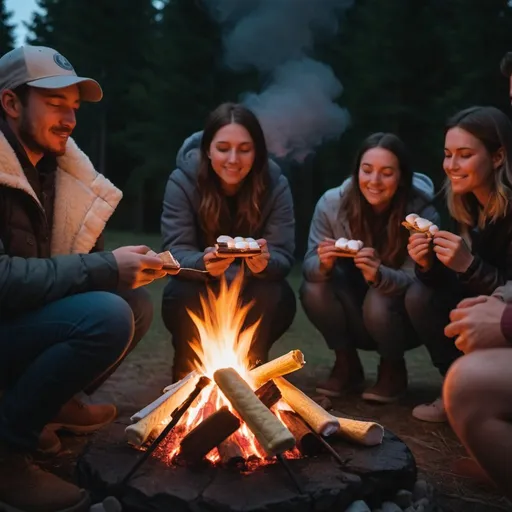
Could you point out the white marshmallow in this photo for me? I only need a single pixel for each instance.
(250, 240)
(341, 243)
(423, 223)
(241, 245)
(411, 218)
(224, 239)
(239, 239)
(361, 244)
(353, 245)
(254, 245)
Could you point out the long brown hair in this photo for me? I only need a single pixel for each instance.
(383, 231)
(213, 208)
(494, 130)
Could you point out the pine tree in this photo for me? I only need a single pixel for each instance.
(6, 29)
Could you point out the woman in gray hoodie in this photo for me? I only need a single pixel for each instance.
(359, 303)
(225, 184)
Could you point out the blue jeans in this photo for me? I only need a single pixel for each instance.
(50, 354)
(429, 311)
(350, 314)
(273, 301)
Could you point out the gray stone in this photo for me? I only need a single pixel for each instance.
(424, 505)
(421, 490)
(358, 506)
(390, 506)
(403, 498)
(410, 509)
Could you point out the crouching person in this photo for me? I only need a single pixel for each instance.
(61, 330)
(225, 184)
(359, 302)
(478, 386)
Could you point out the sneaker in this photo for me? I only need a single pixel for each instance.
(346, 375)
(391, 382)
(49, 442)
(433, 413)
(80, 418)
(26, 487)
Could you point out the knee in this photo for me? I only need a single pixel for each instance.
(472, 386)
(378, 310)
(417, 300)
(276, 297)
(141, 305)
(315, 297)
(111, 323)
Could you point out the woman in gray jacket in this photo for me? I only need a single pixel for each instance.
(225, 184)
(359, 303)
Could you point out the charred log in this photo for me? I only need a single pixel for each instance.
(307, 441)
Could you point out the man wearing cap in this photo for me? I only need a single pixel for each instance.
(69, 311)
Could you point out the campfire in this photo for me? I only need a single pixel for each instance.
(249, 416)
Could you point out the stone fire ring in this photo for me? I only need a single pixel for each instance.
(373, 474)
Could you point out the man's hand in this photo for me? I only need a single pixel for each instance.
(452, 251)
(259, 262)
(327, 254)
(216, 266)
(137, 266)
(368, 262)
(420, 251)
(478, 326)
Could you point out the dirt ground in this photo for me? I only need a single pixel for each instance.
(148, 369)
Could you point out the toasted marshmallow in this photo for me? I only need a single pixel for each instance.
(411, 218)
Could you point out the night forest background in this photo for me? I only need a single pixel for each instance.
(320, 74)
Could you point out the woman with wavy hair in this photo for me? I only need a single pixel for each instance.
(359, 303)
(475, 257)
(225, 184)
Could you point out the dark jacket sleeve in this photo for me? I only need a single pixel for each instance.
(31, 283)
(481, 278)
(279, 232)
(179, 229)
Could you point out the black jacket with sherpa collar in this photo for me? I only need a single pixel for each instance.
(44, 259)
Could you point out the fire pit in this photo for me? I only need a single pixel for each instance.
(230, 437)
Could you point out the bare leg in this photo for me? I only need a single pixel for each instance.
(478, 400)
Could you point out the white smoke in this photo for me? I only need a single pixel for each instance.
(298, 109)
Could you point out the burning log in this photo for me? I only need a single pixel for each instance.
(230, 452)
(367, 433)
(307, 442)
(283, 365)
(207, 435)
(273, 436)
(269, 394)
(151, 420)
(318, 418)
(364, 432)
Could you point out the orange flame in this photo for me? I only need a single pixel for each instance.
(223, 343)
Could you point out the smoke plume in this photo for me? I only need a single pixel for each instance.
(297, 108)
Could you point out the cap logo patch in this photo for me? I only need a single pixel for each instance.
(62, 62)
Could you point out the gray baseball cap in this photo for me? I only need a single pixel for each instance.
(39, 66)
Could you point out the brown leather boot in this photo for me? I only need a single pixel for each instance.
(346, 375)
(26, 487)
(391, 382)
(80, 418)
(49, 442)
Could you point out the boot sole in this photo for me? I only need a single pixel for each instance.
(81, 429)
(82, 506)
(371, 397)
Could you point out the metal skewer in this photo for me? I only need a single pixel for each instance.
(291, 474)
(176, 416)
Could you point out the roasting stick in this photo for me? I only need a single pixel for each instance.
(176, 416)
(291, 474)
